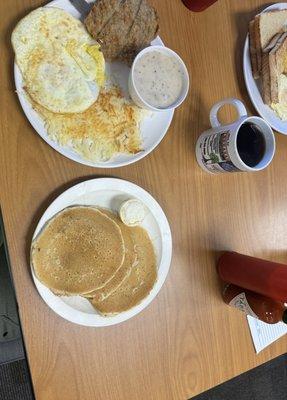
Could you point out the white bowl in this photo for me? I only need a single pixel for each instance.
(136, 96)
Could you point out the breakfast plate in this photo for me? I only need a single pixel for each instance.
(254, 87)
(109, 193)
(153, 127)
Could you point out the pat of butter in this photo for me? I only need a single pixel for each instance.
(132, 212)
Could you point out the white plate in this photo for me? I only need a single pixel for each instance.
(108, 193)
(153, 127)
(254, 85)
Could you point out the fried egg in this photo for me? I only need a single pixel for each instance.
(63, 68)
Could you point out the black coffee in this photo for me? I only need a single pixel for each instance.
(250, 144)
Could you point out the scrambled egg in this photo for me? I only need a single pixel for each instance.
(62, 66)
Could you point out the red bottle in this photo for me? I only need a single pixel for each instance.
(260, 276)
(254, 304)
(198, 5)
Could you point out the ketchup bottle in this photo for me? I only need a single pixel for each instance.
(198, 5)
(260, 276)
(254, 304)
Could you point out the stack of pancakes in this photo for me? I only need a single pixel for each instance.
(89, 252)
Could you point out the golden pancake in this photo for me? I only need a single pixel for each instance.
(140, 281)
(78, 250)
(125, 270)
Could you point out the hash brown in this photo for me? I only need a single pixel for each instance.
(110, 126)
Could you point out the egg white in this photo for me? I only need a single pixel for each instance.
(58, 71)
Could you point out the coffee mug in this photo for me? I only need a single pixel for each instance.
(248, 144)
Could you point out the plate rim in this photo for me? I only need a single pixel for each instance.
(246, 57)
(83, 318)
(61, 149)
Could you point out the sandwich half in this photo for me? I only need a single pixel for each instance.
(261, 30)
(274, 70)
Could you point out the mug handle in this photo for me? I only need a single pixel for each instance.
(241, 110)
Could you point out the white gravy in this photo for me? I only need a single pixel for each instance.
(158, 78)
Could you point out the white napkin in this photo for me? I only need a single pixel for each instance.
(264, 334)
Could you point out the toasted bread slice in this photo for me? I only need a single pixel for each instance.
(282, 84)
(278, 67)
(258, 49)
(273, 66)
(281, 107)
(266, 26)
(252, 51)
(268, 66)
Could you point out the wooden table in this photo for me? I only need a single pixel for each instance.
(187, 340)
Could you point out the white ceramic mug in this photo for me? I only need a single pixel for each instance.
(216, 148)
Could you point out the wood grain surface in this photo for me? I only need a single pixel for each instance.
(187, 340)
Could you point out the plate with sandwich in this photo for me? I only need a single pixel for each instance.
(71, 74)
(265, 66)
